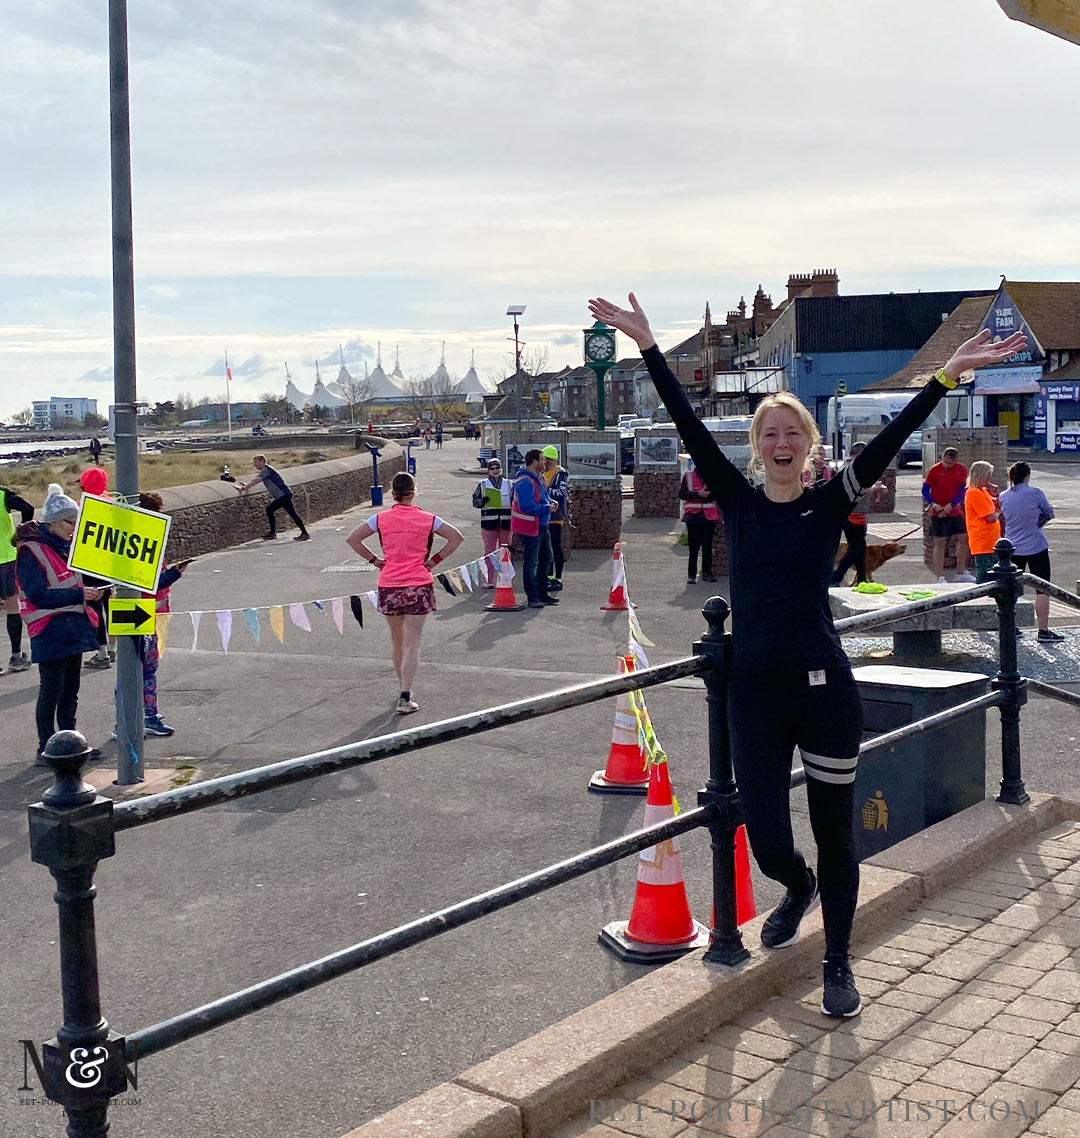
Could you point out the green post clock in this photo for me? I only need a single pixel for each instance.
(599, 355)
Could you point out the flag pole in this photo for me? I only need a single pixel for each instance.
(228, 393)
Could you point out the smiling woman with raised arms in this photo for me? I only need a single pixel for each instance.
(791, 684)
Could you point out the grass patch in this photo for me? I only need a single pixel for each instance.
(159, 470)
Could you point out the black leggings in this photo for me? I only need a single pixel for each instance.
(770, 715)
(285, 503)
(58, 696)
(699, 536)
(555, 531)
(855, 532)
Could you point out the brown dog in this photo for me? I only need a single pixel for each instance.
(876, 555)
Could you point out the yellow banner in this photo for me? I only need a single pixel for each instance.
(131, 616)
(125, 544)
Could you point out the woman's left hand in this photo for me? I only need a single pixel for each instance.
(980, 352)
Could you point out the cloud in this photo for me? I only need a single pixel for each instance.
(399, 170)
(96, 375)
(252, 367)
(355, 351)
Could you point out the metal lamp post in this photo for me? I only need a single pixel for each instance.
(129, 717)
(516, 310)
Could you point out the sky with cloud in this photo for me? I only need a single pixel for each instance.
(396, 172)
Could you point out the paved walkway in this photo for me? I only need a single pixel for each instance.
(971, 1027)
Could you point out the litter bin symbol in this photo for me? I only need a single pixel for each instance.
(875, 813)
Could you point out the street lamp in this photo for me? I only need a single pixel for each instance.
(516, 310)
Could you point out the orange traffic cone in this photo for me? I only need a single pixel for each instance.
(505, 601)
(745, 905)
(616, 601)
(660, 926)
(627, 764)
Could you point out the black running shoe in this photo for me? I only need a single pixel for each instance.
(782, 927)
(841, 997)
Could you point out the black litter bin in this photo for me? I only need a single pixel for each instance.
(903, 789)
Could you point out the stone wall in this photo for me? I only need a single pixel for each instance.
(887, 504)
(656, 494)
(596, 514)
(207, 516)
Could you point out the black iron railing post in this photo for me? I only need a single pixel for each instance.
(70, 832)
(720, 793)
(1007, 590)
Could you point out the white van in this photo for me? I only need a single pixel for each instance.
(878, 408)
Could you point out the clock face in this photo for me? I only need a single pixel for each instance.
(600, 346)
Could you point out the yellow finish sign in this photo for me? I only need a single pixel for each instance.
(125, 544)
(131, 616)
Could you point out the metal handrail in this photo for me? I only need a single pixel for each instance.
(1056, 591)
(887, 616)
(189, 1024)
(228, 788)
(72, 829)
(1052, 692)
(931, 722)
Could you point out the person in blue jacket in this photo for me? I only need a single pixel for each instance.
(530, 512)
(54, 606)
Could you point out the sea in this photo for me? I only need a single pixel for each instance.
(7, 449)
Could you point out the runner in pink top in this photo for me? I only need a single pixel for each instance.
(406, 586)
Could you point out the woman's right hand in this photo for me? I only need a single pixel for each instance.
(632, 321)
(92, 593)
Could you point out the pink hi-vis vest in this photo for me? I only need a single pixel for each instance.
(528, 525)
(690, 506)
(405, 533)
(58, 576)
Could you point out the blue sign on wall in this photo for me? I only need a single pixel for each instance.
(1003, 319)
(1060, 389)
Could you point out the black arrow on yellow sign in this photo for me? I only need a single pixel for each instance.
(134, 615)
(129, 616)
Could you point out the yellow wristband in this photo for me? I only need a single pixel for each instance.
(944, 380)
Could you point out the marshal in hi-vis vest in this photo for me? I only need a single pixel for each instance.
(694, 509)
(494, 516)
(58, 576)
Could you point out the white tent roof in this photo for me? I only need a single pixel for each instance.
(472, 383)
(322, 397)
(295, 396)
(382, 383)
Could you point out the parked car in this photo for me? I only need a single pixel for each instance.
(628, 425)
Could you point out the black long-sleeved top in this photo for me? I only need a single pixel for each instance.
(780, 554)
(13, 501)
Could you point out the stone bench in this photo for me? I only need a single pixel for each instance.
(918, 636)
